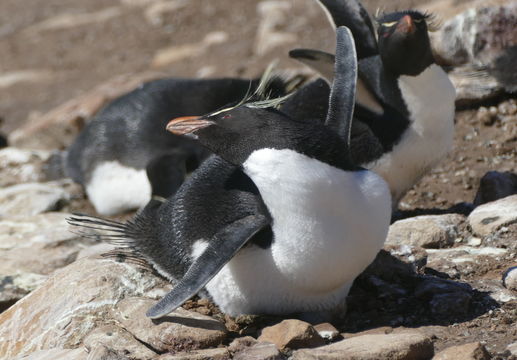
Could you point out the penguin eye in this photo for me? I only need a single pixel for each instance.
(226, 116)
(389, 24)
(418, 21)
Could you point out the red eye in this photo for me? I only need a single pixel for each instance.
(227, 116)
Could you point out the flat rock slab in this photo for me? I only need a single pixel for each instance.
(56, 354)
(292, 334)
(488, 218)
(38, 244)
(179, 331)
(208, 354)
(32, 199)
(411, 345)
(429, 231)
(19, 166)
(472, 351)
(70, 305)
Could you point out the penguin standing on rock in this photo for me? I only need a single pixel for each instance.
(124, 143)
(279, 221)
(404, 116)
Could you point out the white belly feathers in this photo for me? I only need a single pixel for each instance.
(328, 225)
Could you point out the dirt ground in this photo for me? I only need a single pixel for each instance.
(69, 59)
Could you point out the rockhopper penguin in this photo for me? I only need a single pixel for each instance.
(404, 116)
(279, 221)
(114, 154)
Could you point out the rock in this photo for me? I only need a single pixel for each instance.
(327, 331)
(474, 86)
(119, 341)
(472, 351)
(16, 286)
(248, 348)
(478, 35)
(19, 166)
(57, 354)
(291, 334)
(208, 354)
(512, 348)
(180, 331)
(410, 345)
(8, 79)
(170, 55)
(487, 218)
(57, 128)
(70, 304)
(273, 15)
(429, 231)
(154, 13)
(38, 244)
(463, 260)
(66, 21)
(495, 185)
(446, 298)
(510, 278)
(32, 199)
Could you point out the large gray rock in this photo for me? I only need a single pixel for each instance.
(471, 351)
(72, 303)
(208, 354)
(32, 199)
(410, 345)
(510, 278)
(488, 218)
(247, 348)
(429, 231)
(19, 166)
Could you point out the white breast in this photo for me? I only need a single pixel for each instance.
(430, 99)
(328, 225)
(115, 188)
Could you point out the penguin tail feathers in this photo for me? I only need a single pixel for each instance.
(129, 237)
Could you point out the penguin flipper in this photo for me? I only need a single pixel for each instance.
(353, 15)
(342, 93)
(221, 249)
(320, 61)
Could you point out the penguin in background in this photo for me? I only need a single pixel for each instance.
(278, 221)
(404, 116)
(112, 154)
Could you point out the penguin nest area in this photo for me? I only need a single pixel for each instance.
(63, 60)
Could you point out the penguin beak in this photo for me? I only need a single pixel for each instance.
(406, 25)
(187, 125)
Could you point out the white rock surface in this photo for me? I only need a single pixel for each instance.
(489, 217)
(21, 166)
(32, 198)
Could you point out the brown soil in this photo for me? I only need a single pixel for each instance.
(80, 57)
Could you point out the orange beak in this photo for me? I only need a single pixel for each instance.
(406, 25)
(187, 125)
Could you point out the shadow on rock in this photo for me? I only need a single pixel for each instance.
(391, 292)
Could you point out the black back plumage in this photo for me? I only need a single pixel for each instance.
(131, 128)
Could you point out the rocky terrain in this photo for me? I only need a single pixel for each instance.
(444, 287)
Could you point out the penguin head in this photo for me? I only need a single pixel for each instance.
(404, 44)
(234, 134)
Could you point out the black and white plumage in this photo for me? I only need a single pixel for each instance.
(404, 116)
(125, 143)
(278, 221)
